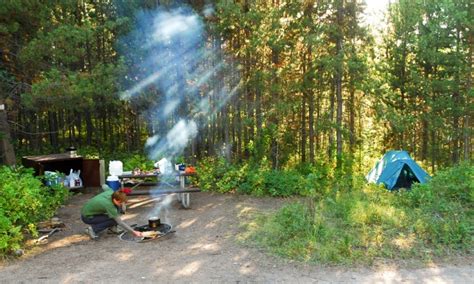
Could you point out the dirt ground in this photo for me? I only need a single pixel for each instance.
(203, 250)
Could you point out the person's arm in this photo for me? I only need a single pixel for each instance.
(127, 227)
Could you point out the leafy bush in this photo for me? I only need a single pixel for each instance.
(137, 161)
(318, 180)
(218, 175)
(445, 207)
(283, 183)
(253, 184)
(344, 226)
(24, 201)
(231, 179)
(130, 160)
(211, 170)
(453, 184)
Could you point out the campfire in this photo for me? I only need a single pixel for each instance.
(152, 231)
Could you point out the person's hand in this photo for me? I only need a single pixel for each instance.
(137, 234)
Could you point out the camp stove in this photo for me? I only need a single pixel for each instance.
(159, 231)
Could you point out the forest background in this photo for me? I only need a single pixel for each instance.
(284, 83)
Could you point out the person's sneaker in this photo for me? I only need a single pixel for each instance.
(115, 230)
(91, 233)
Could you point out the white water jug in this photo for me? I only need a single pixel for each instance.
(165, 166)
(115, 168)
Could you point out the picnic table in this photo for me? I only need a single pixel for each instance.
(183, 192)
(184, 197)
(138, 179)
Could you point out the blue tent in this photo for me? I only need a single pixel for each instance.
(396, 170)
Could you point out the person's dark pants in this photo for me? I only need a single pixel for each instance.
(99, 222)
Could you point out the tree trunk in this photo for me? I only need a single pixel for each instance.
(319, 94)
(258, 108)
(425, 135)
(33, 132)
(274, 116)
(352, 133)
(303, 129)
(7, 150)
(339, 72)
(311, 127)
(53, 130)
(457, 109)
(62, 126)
(467, 130)
(434, 149)
(238, 129)
(89, 127)
(331, 120)
(225, 125)
(401, 138)
(78, 123)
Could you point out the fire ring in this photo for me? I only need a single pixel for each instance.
(161, 231)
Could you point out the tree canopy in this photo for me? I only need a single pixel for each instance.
(283, 83)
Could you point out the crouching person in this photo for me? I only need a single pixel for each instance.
(103, 211)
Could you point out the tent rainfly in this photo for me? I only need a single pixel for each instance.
(396, 170)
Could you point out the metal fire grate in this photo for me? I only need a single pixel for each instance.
(163, 229)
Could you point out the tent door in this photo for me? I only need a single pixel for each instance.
(406, 178)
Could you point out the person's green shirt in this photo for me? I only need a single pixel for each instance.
(100, 204)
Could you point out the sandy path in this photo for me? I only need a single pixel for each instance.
(203, 250)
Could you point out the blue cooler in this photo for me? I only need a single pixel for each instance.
(113, 182)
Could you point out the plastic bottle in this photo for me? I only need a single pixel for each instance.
(115, 168)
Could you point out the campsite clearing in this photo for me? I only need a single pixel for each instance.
(204, 249)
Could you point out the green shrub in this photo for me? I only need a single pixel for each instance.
(283, 183)
(136, 161)
(454, 184)
(215, 174)
(444, 208)
(253, 183)
(130, 160)
(24, 201)
(348, 226)
(210, 172)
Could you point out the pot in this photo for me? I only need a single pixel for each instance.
(154, 222)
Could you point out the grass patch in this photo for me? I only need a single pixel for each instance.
(358, 226)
